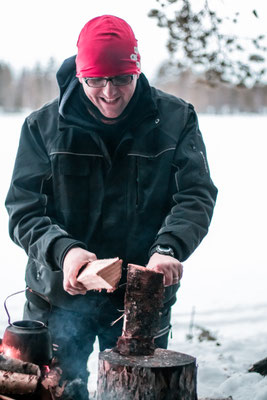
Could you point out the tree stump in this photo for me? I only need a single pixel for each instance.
(165, 375)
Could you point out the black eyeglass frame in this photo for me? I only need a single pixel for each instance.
(106, 80)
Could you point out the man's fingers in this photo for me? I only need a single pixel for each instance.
(172, 272)
(75, 284)
(156, 268)
(74, 287)
(172, 281)
(73, 292)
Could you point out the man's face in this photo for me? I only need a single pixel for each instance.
(110, 100)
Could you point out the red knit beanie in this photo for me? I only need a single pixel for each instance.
(107, 47)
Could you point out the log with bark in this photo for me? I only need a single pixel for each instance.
(24, 380)
(142, 304)
(165, 375)
(50, 383)
(18, 377)
(260, 367)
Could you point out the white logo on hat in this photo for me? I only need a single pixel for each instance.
(134, 57)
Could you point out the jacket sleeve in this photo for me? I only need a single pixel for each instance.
(194, 198)
(30, 225)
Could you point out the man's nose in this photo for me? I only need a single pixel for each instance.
(109, 90)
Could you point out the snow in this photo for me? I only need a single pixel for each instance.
(224, 285)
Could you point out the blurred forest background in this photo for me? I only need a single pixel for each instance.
(31, 88)
(211, 64)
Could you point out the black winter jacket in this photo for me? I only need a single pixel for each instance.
(66, 191)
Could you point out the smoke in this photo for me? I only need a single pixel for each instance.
(76, 390)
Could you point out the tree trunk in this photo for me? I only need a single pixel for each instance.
(166, 375)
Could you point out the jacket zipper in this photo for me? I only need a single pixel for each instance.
(163, 331)
(205, 162)
(136, 183)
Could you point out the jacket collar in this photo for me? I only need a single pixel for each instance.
(73, 112)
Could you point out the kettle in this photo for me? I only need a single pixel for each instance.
(27, 340)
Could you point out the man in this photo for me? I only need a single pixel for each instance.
(112, 168)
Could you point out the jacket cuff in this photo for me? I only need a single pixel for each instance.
(166, 239)
(60, 248)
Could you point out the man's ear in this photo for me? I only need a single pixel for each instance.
(81, 80)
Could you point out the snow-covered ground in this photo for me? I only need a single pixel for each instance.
(224, 285)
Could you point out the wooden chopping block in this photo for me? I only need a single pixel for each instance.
(164, 375)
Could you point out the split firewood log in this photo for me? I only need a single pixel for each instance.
(15, 365)
(18, 377)
(51, 382)
(142, 304)
(101, 274)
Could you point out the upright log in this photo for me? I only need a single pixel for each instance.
(142, 304)
(166, 375)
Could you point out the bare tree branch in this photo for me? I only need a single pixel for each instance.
(197, 41)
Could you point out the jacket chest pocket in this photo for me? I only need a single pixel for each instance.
(151, 180)
(71, 166)
(78, 181)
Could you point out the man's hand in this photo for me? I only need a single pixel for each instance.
(170, 267)
(73, 261)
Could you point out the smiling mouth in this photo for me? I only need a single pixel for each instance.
(110, 101)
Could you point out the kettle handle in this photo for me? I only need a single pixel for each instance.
(21, 291)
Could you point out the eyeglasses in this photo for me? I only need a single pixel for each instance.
(119, 80)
